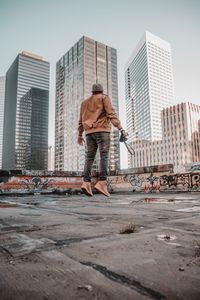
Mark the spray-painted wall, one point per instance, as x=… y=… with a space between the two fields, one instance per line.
x=151 y=179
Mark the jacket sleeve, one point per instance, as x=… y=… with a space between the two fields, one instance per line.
x=80 y=124
x=110 y=111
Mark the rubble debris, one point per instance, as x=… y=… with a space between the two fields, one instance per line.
x=130 y=228
x=85 y=287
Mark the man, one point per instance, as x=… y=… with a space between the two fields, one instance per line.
x=96 y=116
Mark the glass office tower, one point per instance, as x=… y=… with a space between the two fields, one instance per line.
x=2 y=100
x=86 y=63
x=149 y=87
x=25 y=142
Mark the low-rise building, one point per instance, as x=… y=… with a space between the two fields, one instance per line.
x=180 y=144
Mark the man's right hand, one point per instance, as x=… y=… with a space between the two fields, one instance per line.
x=123 y=136
x=124 y=133
x=81 y=140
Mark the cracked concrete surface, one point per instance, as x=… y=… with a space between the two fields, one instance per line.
x=70 y=247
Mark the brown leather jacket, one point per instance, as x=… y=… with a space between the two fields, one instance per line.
x=97 y=114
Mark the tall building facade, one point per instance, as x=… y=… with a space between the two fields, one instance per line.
x=148 y=86
x=86 y=63
x=51 y=158
x=25 y=142
x=2 y=101
x=180 y=143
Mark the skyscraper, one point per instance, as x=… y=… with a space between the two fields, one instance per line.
x=25 y=142
x=86 y=63
x=149 y=87
x=2 y=100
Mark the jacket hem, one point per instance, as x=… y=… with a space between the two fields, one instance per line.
x=97 y=130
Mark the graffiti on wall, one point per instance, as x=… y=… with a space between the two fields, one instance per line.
x=136 y=182
x=148 y=182
x=156 y=182
x=186 y=180
x=33 y=183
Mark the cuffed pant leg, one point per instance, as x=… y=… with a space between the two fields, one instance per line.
x=103 y=141
x=90 y=156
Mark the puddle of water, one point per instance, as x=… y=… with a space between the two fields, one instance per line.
x=156 y=200
x=93 y=218
x=189 y=209
x=174 y=201
x=31 y=215
x=175 y=244
x=166 y=237
x=186 y=201
x=7 y=205
x=32 y=203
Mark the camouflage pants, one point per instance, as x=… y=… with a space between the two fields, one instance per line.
x=94 y=141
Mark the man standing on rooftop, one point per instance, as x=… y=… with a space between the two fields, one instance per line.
x=96 y=117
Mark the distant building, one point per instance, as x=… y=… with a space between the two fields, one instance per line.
x=86 y=63
x=25 y=142
x=149 y=87
x=33 y=124
x=2 y=100
x=51 y=158
x=180 y=144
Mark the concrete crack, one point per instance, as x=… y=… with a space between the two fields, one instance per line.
x=5 y=251
x=78 y=239
x=131 y=283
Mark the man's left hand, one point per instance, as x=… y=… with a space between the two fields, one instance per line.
x=81 y=140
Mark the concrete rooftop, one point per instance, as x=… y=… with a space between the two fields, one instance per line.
x=76 y=247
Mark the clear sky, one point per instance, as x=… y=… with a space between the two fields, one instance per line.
x=50 y=27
